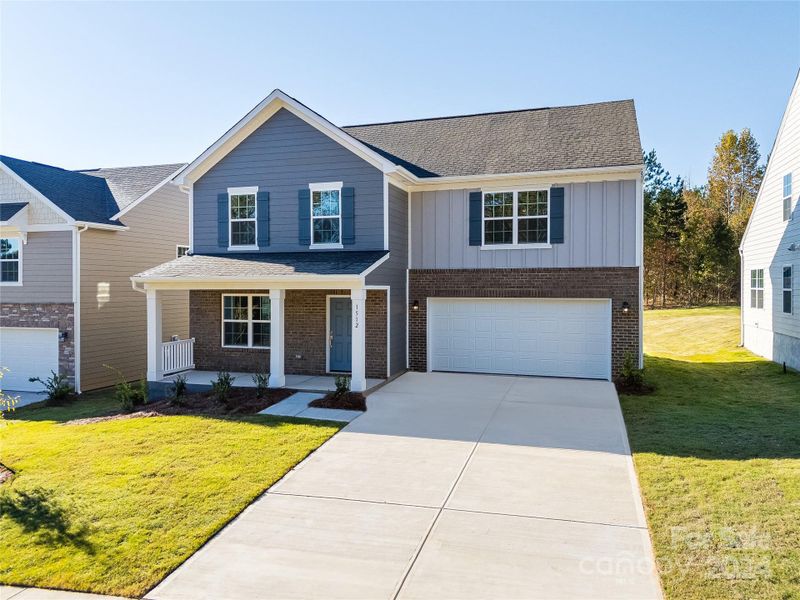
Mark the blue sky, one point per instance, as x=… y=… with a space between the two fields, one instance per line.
x=110 y=84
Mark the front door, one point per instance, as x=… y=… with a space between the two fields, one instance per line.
x=340 y=334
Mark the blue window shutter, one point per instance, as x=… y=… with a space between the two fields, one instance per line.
x=557 y=215
x=262 y=208
x=475 y=220
x=348 y=216
x=304 y=216
x=222 y=220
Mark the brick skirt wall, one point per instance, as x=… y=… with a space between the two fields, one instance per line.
x=305 y=331
x=60 y=316
x=621 y=284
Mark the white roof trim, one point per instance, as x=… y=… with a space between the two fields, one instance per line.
x=146 y=195
x=13 y=174
x=260 y=115
x=793 y=97
x=19 y=218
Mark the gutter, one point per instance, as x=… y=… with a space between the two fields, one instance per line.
x=741 y=297
x=76 y=301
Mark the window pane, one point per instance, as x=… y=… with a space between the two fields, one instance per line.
x=753 y=298
x=243 y=206
x=787 y=277
x=787 y=208
x=235 y=308
x=760 y=298
x=9 y=270
x=261 y=333
x=499 y=232
x=261 y=308
x=532 y=204
x=787 y=185
x=243 y=233
x=325 y=203
x=235 y=334
x=9 y=248
x=326 y=231
x=532 y=231
x=498 y=205
x=787 y=301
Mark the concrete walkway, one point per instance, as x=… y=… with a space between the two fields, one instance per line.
x=450 y=486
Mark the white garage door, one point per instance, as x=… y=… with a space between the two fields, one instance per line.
x=560 y=338
x=27 y=352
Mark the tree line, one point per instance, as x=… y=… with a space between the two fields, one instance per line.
x=692 y=234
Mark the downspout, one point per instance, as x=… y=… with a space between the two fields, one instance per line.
x=741 y=297
x=76 y=302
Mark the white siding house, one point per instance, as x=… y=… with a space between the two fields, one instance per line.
x=771 y=250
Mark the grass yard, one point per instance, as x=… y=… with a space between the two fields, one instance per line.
x=112 y=507
x=717 y=450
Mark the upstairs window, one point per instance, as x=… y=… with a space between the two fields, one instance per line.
x=246 y=321
x=787 y=289
x=326 y=214
x=757 y=288
x=516 y=217
x=181 y=251
x=787 y=197
x=10 y=263
x=242 y=207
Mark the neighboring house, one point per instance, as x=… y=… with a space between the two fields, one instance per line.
x=495 y=243
x=70 y=242
x=770 y=250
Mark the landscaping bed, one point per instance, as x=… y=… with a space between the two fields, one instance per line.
x=342 y=401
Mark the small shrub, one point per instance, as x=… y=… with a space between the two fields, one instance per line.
x=631 y=377
x=7 y=402
x=262 y=384
x=178 y=387
x=127 y=394
x=342 y=383
x=57 y=388
x=221 y=387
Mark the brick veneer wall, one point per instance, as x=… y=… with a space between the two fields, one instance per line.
x=621 y=284
x=305 y=332
x=61 y=316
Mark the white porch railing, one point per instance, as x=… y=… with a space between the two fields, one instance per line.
x=177 y=355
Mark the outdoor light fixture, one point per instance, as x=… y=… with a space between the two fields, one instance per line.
x=62 y=336
x=415 y=306
x=626 y=307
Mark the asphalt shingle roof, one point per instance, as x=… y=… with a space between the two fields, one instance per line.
x=255 y=265
x=91 y=195
x=543 y=139
x=128 y=184
x=9 y=209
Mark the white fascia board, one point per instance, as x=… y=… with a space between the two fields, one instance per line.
x=146 y=195
x=265 y=110
x=108 y=227
x=792 y=98
x=375 y=265
x=316 y=282
x=19 y=219
x=11 y=173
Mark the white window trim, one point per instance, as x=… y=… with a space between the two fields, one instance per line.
x=178 y=250
x=790 y=289
x=757 y=289
x=786 y=197
x=328 y=186
x=250 y=321
x=515 y=220
x=18 y=282
x=237 y=191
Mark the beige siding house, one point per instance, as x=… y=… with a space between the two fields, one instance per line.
x=771 y=250
x=70 y=242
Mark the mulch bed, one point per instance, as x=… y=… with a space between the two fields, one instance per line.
x=241 y=401
x=642 y=389
x=346 y=401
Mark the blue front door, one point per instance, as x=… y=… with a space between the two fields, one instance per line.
x=340 y=335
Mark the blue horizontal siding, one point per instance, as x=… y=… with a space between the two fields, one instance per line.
x=282 y=156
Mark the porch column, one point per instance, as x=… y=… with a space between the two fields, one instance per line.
x=277 y=377
x=358 y=380
x=155 y=364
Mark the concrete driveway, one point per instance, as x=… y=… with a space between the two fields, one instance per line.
x=450 y=486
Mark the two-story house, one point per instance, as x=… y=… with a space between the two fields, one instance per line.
x=69 y=243
x=505 y=242
x=770 y=250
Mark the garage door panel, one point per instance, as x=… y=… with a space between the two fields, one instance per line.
x=567 y=338
x=27 y=352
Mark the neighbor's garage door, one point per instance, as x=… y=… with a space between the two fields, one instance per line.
x=27 y=352
x=562 y=338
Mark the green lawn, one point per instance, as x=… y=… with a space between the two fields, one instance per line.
x=113 y=507
x=717 y=450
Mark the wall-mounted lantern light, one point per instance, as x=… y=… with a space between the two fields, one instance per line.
x=626 y=308
x=62 y=336
x=415 y=305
